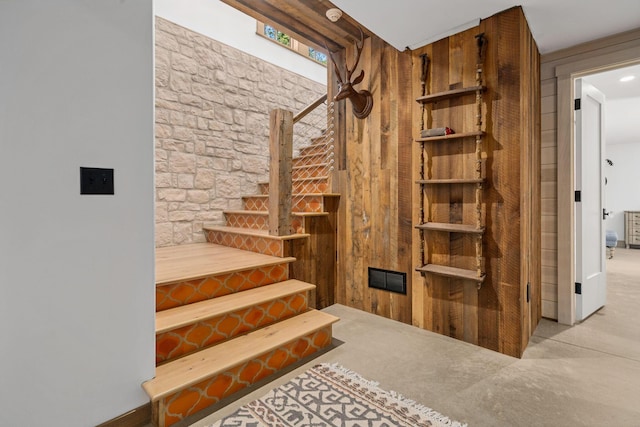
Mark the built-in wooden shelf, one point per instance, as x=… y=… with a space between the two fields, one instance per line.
x=450 y=136
x=451 y=228
x=441 y=96
x=459 y=273
x=451 y=181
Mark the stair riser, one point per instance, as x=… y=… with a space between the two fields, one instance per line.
x=301 y=187
x=300 y=203
x=181 y=341
x=175 y=407
x=259 y=244
x=311 y=172
x=258 y=222
x=316 y=159
x=190 y=291
x=316 y=149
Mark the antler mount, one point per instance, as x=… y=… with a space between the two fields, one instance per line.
x=361 y=101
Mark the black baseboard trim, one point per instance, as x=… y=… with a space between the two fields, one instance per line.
x=134 y=418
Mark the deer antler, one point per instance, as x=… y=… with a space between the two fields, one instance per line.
x=359 y=46
x=362 y=101
x=335 y=66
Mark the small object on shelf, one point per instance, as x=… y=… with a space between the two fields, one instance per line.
x=426 y=133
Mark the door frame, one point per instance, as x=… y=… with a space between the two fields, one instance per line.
x=565 y=79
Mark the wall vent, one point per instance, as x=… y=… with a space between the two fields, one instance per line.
x=387 y=280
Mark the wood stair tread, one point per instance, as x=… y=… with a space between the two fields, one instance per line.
x=459 y=273
x=191 y=313
x=453 y=228
x=194 y=368
x=197 y=260
x=266 y=213
x=306 y=156
x=315 y=178
x=296 y=195
x=254 y=232
x=317 y=165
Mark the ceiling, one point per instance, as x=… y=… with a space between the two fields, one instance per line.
x=622 y=104
x=609 y=82
x=555 y=24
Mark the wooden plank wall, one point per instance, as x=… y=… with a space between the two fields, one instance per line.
x=373 y=178
x=376 y=162
x=610 y=50
x=497 y=316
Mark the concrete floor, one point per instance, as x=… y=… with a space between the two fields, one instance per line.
x=586 y=375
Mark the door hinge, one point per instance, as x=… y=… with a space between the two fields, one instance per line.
x=576 y=104
x=578 y=288
x=528 y=292
x=577 y=196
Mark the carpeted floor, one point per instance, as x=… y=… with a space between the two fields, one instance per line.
x=586 y=375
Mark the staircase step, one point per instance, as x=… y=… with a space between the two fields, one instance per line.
x=187 y=385
x=312 y=171
x=188 y=328
x=318 y=148
x=255 y=220
x=312 y=159
x=318 y=184
x=299 y=202
x=250 y=240
x=190 y=273
x=259 y=220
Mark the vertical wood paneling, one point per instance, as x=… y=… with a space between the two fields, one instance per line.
x=377 y=161
x=489 y=296
x=497 y=316
x=375 y=207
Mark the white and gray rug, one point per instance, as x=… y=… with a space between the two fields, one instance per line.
x=330 y=395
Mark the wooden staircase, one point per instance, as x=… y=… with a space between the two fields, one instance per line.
x=229 y=312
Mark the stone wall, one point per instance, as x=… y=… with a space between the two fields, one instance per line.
x=212 y=128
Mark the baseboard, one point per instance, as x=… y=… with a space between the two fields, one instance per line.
x=134 y=418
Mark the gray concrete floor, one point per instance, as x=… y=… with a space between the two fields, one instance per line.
x=585 y=375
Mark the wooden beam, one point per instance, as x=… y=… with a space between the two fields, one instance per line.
x=280 y=183
x=269 y=14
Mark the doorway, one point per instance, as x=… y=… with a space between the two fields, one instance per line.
x=605 y=55
x=617 y=175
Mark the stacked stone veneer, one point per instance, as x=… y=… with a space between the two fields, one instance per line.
x=212 y=128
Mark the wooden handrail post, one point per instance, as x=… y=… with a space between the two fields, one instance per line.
x=280 y=183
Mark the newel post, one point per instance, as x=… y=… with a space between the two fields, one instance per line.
x=280 y=184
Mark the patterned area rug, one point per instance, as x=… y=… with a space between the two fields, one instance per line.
x=330 y=395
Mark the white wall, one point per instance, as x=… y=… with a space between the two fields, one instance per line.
x=76 y=272
x=623 y=178
x=622 y=136
x=221 y=22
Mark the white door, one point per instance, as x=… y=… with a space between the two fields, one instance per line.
x=591 y=278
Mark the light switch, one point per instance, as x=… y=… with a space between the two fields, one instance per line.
x=96 y=181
